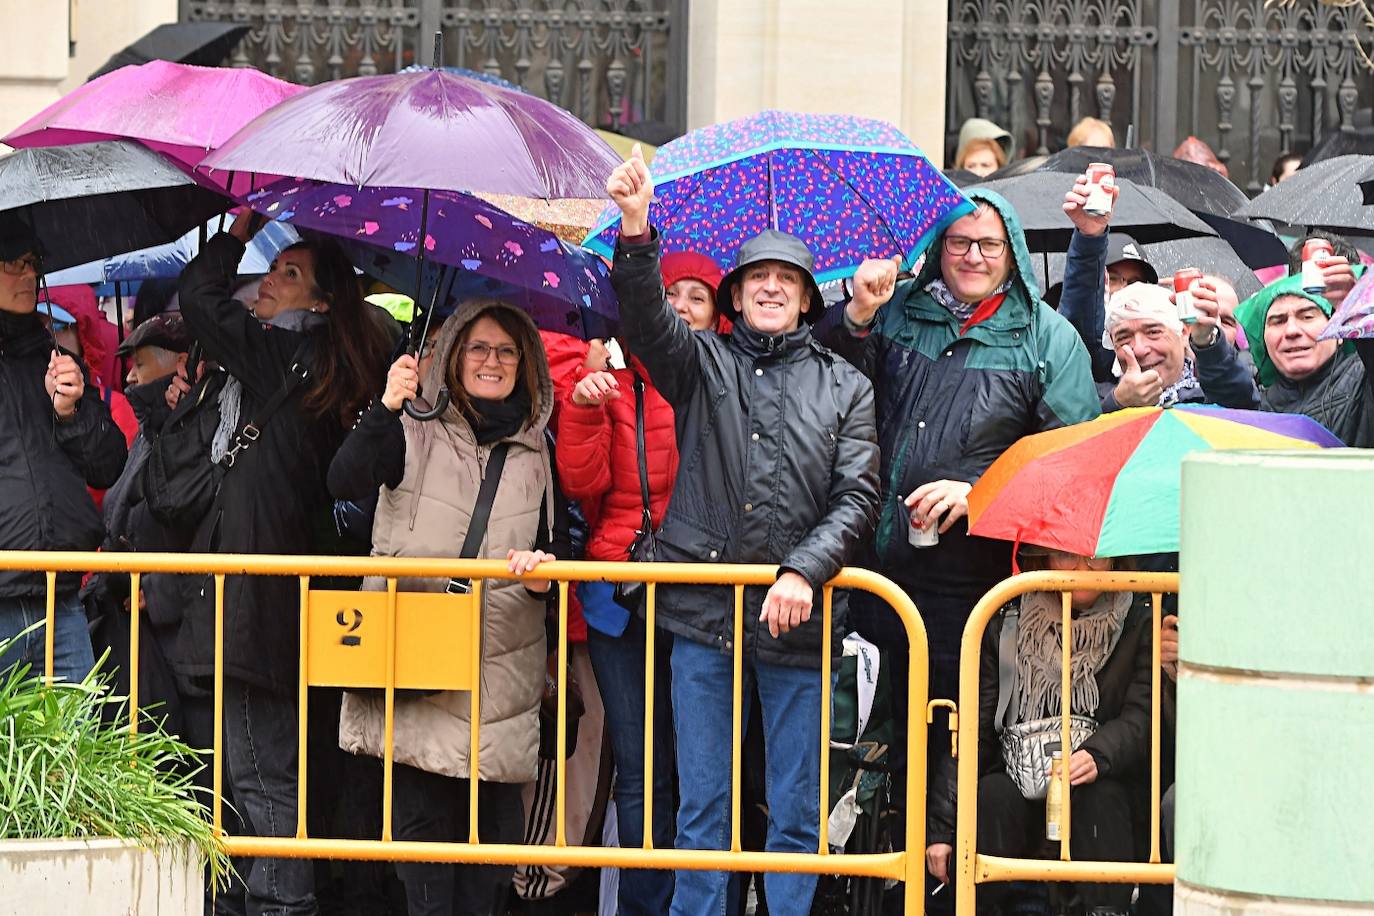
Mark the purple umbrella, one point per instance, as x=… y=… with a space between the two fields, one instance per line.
x=428 y=129
x=564 y=289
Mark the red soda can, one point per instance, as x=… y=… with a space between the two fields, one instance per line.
x=1183 y=299
x=1314 y=251
x=1101 y=178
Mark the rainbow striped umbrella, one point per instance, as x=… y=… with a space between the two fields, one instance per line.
x=1110 y=487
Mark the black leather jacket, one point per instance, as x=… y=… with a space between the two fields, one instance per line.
x=46 y=464
x=779 y=461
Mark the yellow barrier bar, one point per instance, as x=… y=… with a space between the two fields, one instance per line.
x=389 y=712
x=560 y=757
x=970 y=868
x=475 y=710
x=218 y=801
x=1065 y=710
x=827 y=697
x=135 y=619
x=650 y=646
x=303 y=709
x=1156 y=600
x=997 y=868
x=737 y=714
x=49 y=628
x=879 y=865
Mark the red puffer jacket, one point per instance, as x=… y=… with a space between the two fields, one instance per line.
x=599 y=467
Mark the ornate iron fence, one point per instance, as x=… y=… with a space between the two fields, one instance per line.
x=615 y=63
x=1251 y=80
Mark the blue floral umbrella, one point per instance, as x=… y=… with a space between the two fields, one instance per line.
x=850 y=188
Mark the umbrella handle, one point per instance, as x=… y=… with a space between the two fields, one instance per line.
x=440 y=405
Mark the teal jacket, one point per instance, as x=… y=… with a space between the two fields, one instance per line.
x=950 y=404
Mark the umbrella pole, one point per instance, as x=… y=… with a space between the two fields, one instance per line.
x=416 y=343
x=119 y=331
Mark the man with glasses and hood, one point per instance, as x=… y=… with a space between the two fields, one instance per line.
x=779 y=465
x=59 y=439
x=965 y=360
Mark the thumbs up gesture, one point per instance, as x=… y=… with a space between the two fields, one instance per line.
x=1138 y=387
x=632 y=187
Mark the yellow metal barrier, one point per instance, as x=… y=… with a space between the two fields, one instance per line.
x=371 y=639
x=973 y=868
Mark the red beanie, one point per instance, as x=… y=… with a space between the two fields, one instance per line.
x=689 y=265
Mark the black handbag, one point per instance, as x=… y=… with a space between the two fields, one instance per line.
x=644 y=548
x=180 y=481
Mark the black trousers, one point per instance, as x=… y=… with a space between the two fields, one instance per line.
x=427 y=806
x=1010 y=825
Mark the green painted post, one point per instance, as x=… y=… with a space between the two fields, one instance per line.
x=1275 y=786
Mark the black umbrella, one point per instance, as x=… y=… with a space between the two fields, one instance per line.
x=205 y=44
x=93 y=200
x=1210 y=255
x=1328 y=195
x=1208 y=193
x=1145 y=213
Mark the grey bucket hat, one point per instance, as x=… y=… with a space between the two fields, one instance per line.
x=771 y=245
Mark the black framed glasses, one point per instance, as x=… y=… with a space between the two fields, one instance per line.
x=478 y=352
x=958 y=245
x=18 y=265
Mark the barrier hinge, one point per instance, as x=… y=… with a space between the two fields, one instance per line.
x=953 y=722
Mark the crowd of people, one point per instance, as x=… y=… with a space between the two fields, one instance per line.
x=736 y=419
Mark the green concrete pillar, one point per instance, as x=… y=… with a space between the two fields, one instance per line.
x=1275 y=784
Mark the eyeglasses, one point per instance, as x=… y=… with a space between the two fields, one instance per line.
x=992 y=249
x=478 y=353
x=19 y=265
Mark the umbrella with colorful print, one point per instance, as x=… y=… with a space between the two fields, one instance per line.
x=1110 y=487
x=850 y=188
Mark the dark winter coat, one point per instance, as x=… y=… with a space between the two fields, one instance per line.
x=273 y=500
x=949 y=403
x=778 y=460
x=46 y=463
x=1121 y=744
x=1339 y=395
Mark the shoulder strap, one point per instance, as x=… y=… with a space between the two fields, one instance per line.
x=486 y=495
x=1006 y=664
x=641 y=452
x=251 y=431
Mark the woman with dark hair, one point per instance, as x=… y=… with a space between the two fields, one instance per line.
x=301 y=364
x=433 y=479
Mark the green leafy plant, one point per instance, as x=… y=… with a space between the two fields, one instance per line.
x=66 y=774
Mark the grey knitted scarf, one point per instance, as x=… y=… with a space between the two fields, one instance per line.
x=942 y=294
x=1039 y=643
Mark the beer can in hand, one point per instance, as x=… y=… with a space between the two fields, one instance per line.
x=1314 y=253
x=922 y=537
x=1101 y=179
x=1183 y=296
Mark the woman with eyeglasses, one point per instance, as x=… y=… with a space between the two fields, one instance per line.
x=1020 y=698
x=431 y=477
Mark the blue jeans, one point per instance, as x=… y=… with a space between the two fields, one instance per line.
x=260 y=729
x=618 y=662
x=72 y=655
x=790 y=703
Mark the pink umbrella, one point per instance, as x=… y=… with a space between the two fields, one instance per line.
x=178 y=110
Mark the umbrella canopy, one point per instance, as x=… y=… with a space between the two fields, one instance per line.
x=202 y=43
x=429 y=130
x=558 y=283
x=93 y=200
x=1354 y=319
x=850 y=188
x=1210 y=255
x=1111 y=487
x=1147 y=214
x=179 y=110
x=1201 y=189
x=1327 y=194
x=166 y=262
